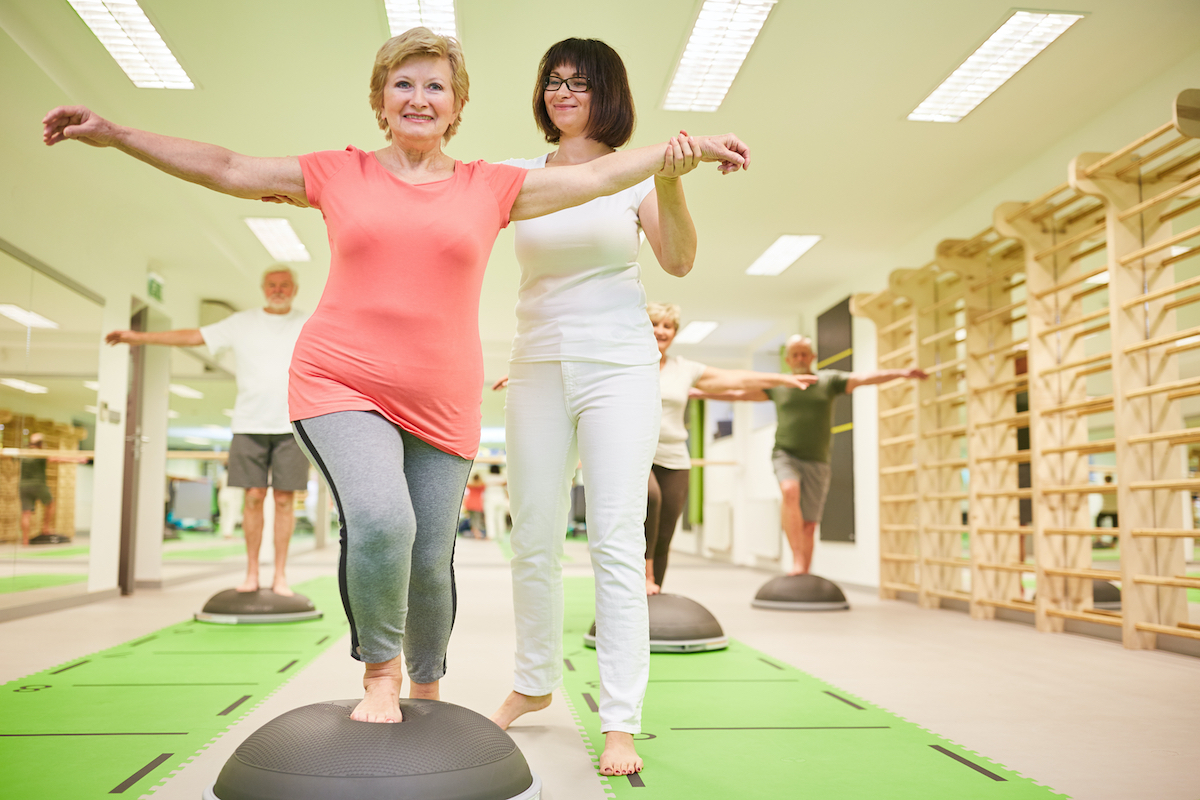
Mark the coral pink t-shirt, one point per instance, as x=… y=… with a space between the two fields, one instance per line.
x=397 y=328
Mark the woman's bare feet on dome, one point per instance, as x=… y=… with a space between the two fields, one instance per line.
x=280 y=587
x=382 y=700
x=424 y=691
x=517 y=704
x=250 y=584
x=619 y=756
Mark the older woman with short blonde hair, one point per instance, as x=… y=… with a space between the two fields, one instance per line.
x=394 y=429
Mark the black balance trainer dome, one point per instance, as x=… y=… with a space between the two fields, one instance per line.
x=1106 y=595
x=439 y=752
x=678 y=625
x=800 y=593
x=237 y=608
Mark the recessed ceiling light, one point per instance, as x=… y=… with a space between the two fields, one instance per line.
x=695 y=331
x=782 y=254
x=26 y=318
x=721 y=39
x=437 y=15
x=24 y=386
x=277 y=236
x=179 y=390
x=1011 y=47
x=131 y=39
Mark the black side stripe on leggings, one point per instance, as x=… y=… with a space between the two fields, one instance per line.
x=453 y=582
x=320 y=464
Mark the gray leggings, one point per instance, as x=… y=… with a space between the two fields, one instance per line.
x=398 y=498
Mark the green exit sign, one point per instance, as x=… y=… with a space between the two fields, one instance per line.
x=154 y=286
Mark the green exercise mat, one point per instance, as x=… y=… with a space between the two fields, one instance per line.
x=23 y=583
x=738 y=723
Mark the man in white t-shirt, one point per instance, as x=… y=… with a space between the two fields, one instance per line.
x=264 y=452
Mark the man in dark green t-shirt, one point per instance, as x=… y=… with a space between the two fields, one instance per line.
x=33 y=489
x=802 y=438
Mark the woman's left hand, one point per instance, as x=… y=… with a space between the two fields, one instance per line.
x=728 y=149
x=681 y=157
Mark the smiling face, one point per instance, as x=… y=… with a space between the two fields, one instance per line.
x=569 y=111
x=279 y=289
x=418 y=101
x=664 y=334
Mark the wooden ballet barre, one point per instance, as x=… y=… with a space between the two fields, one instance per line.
x=1020 y=455
x=996 y=312
x=1082 y=236
x=900 y=470
x=33 y=452
x=899 y=498
x=1010 y=493
x=1079 y=531
x=1141 y=253
x=953 y=430
x=1052 y=210
x=1062 y=326
x=1009 y=385
x=1190 y=283
x=895 y=355
x=1086 y=211
x=874 y=297
x=952 y=463
x=1015 y=419
x=946 y=334
x=1020 y=345
x=894 y=586
x=1153 y=627
x=1083 y=362
x=1093 y=405
x=907 y=438
x=1088 y=292
x=1176 y=437
x=1164 y=387
x=198 y=455
x=898 y=528
x=705 y=462
x=1167 y=339
x=951 y=300
x=1180 y=211
x=1012 y=605
x=1176 y=165
x=946 y=496
x=1007 y=567
x=946 y=366
x=1129 y=148
x=1039 y=200
x=892 y=327
x=1096 y=248
x=1086 y=616
x=947 y=562
x=1184 y=484
x=1085 y=332
x=952 y=594
x=1162 y=197
x=1098 y=446
x=896 y=383
x=1084 y=574
x=946 y=528
x=1020 y=530
x=999 y=276
x=1179 y=581
x=906 y=557
x=1153 y=154
x=1082 y=488
x=952 y=398
x=1180 y=302
x=1182 y=346
x=1166 y=533
x=898 y=411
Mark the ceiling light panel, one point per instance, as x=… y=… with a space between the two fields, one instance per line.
x=24 y=386
x=131 y=39
x=782 y=254
x=179 y=390
x=720 y=40
x=277 y=236
x=1011 y=47
x=437 y=15
x=26 y=318
x=695 y=331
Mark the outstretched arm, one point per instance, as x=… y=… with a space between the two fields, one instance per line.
x=666 y=220
x=548 y=190
x=736 y=396
x=208 y=165
x=189 y=337
x=857 y=379
x=715 y=381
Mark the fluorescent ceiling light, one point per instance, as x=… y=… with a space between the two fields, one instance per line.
x=277 y=236
x=173 y=414
x=196 y=440
x=130 y=38
x=179 y=390
x=437 y=15
x=26 y=318
x=91 y=409
x=227 y=412
x=93 y=385
x=1011 y=47
x=782 y=254
x=720 y=40
x=24 y=386
x=695 y=331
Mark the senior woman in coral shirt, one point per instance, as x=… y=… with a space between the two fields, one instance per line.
x=386 y=379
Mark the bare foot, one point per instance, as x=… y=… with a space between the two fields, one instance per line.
x=517 y=704
x=382 y=700
x=280 y=588
x=425 y=691
x=652 y=587
x=619 y=756
x=249 y=585
x=798 y=571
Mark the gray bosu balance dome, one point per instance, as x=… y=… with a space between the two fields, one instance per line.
x=439 y=752
x=1106 y=596
x=232 y=607
x=678 y=625
x=800 y=593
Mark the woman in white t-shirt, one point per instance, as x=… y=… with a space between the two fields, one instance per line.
x=583 y=386
x=668 y=486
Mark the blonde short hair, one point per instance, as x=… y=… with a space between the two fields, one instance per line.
x=419 y=43
x=669 y=312
x=271 y=270
x=799 y=338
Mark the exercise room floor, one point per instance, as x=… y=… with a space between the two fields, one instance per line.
x=1081 y=716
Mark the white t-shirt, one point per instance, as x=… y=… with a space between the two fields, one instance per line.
x=262 y=346
x=581 y=296
x=674 y=379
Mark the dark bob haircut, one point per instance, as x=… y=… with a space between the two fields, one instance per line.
x=612 y=116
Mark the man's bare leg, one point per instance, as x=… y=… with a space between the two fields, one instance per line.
x=651 y=586
x=48 y=517
x=517 y=704
x=285 y=520
x=802 y=557
x=620 y=756
x=382 y=700
x=794 y=527
x=26 y=526
x=252 y=528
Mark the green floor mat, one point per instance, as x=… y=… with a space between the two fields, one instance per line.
x=62 y=552
x=121 y=720
x=23 y=583
x=214 y=553
x=738 y=723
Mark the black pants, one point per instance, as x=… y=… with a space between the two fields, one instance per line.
x=667 y=493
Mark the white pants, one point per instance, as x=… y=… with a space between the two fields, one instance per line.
x=495 y=509
x=558 y=413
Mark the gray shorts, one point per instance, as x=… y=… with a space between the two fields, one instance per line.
x=32 y=494
x=252 y=456
x=813 y=477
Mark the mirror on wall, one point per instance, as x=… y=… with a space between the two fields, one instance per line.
x=49 y=355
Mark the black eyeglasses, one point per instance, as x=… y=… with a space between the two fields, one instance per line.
x=575 y=84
